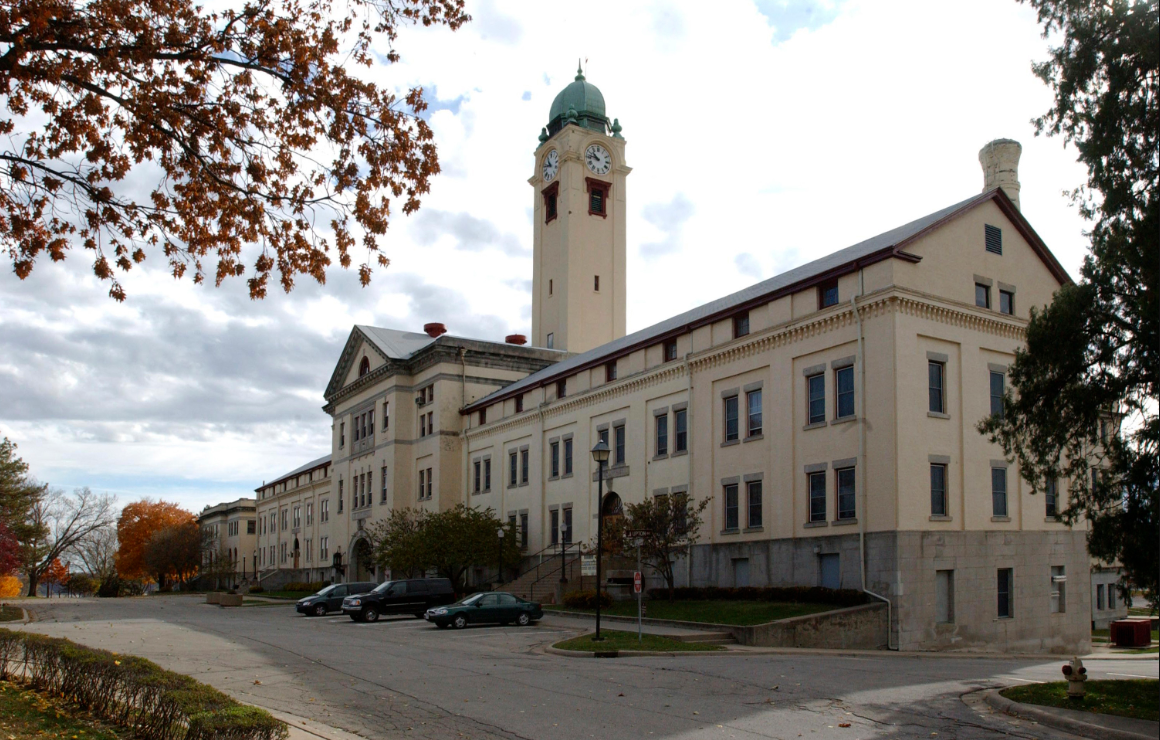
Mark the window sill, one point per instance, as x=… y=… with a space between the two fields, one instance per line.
x=844 y=420
x=730 y=442
x=566 y=475
x=525 y=483
x=844 y=522
x=817 y=524
x=679 y=453
x=730 y=531
x=940 y=518
x=1052 y=520
x=663 y=456
x=937 y=415
x=754 y=437
x=754 y=529
x=553 y=477
x=1000 y=518
x=815 y=425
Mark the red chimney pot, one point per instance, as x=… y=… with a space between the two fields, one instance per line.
x=516 y=339
x=434 y=329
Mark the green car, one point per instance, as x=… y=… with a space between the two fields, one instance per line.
x=494 y=608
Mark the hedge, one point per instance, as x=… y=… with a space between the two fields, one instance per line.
x=311 y=586
x=800 y=594
x=586 y=599
x=132 y=692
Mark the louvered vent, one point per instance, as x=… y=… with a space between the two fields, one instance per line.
x=993 y=236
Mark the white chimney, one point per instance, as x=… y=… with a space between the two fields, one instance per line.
x=1000 y=161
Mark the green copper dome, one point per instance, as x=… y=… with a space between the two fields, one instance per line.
x=585 y=100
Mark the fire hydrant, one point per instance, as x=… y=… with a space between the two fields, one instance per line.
x=1076 y=674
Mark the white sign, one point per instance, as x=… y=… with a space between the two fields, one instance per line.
x=587 y=565
x=636 y=582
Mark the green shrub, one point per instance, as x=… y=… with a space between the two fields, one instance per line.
x=586 y=599
x=257 y=590
x=310 y=586
x=800 y=594
x=132 y=692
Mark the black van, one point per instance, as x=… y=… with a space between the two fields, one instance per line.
x=330 y=598
x=412 y=596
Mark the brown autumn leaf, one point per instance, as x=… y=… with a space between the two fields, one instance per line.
x=254 y=123
x=138 y=522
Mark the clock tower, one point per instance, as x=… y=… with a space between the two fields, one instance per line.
x=578 y=272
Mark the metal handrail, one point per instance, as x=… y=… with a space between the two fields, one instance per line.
x=575 y=559
x=534 y=567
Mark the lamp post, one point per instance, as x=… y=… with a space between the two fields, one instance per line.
x=499 y=534
x=600 y=455
x=563 y=551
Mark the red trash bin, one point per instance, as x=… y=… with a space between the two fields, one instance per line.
x=1131 y=633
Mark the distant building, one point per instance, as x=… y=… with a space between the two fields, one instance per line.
x=229 y=535
x=829 y=413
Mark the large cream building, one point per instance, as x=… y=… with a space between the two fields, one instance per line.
x=829 y=413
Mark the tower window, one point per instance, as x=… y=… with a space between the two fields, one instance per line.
x=993 y=239
x=549 y=286
x=550 y=196
x=596 y=283
x=598 y=197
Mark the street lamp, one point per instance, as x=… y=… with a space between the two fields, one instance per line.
x=600 y=455
x=499 y=533
x=563 y=551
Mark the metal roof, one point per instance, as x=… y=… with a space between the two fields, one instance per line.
x=308 y=466
x=831 y=263
x=396 y=344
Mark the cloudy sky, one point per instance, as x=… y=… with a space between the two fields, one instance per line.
x=762 y=134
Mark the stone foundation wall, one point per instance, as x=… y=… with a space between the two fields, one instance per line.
x=856 y=628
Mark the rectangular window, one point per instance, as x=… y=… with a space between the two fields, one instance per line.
x=1111 y=596
x=1006 y=588
x=520 y=404
x=341 y=434
x=844 y=388
x=422 y=483
x=998 y=491
x=982 y=295
x=549 y=206
x=513 y=477
x=477 y=478
x=670 y=350
x=610 y=372
x=846 y=498
x=430 y=422
x=1006 y=302
x=340 y=496
x=554 y=517
x=1099 y=596
x=486 y=474
x=297 y=516
x=662 y=434
x=944 y=594
x=523 y=466
x=568 y=456
x=754 y=508
x=619 y=437
x=596 y=202
x=731 y=514
x=323 y=548
x=997 y=388
x=555 y=454
x=936 y=386
x=383 y=486
x=551 y=340
x=324 y=510
x=731 y=432
x=1051 y=498
x=386 y=415
x=524 y=531
x=596 y=283
x=816 y=385
x=828 y=294
x=753 y=404
x=567 y=526
x=681 y=427
x=938 y=490
x=422 y=425
x=740 y=325
x=371 y=423
x=993 y=239
x=430 y=483
x=561 y=388
x=251 y=527
x=483 y=416
x=818 y=497
x=550 y=287
x=1058 y=590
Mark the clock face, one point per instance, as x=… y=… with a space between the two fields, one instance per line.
x=598 y=159
x=551 y=165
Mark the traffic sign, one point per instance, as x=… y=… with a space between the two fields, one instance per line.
x=634 y=533
x=636 y=582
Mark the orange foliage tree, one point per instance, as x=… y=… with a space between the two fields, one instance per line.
x=54 y=574
x=251 y=126
x=138 y=523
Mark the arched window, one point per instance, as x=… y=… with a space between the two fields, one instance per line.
x=364 y=367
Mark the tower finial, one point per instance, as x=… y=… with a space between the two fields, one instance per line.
x=579 y=71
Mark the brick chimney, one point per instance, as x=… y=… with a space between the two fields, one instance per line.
x=1000 y=161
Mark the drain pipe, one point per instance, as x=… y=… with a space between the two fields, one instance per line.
x=862 y=461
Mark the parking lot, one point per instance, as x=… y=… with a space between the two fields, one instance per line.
x=402 y=677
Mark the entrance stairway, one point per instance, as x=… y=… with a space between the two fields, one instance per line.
x=539 y=582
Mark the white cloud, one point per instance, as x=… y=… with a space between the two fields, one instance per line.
x=790 y=130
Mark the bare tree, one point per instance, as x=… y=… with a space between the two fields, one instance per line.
x=66 y=519
x=98 y=552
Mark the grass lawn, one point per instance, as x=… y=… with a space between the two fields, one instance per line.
x=26 y=714
x=295 y=595
x=714 y=612
x=1137 y=698
x=11 y=613
x=617 y=640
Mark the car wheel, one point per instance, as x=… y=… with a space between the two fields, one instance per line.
x=320 y=610
x=370 y=614
x=460 y=622
x=523 y=619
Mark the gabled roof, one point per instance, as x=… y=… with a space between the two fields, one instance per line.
x=391 y=344
x=297 y=471
x=889 y=244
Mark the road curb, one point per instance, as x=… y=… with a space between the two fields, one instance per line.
x=635 y=653
x=1059 y=722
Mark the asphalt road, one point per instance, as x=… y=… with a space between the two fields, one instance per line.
x=404 y=678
